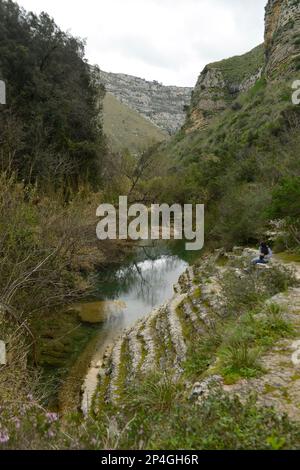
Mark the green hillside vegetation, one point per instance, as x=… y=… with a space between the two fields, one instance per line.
x=126 y=129
x=237 y=162
x=238 y=68
x=56 y=168
x=50 y=128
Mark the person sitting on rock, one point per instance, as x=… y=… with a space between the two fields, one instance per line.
x=265 y=254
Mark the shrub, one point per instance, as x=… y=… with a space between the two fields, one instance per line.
x=219 y=422
x=285 y=205
x=239 y=359
x=245 y=289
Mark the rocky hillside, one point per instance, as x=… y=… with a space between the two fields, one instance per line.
x=126 y=129
x=163 y=105
x=241 y=137
x=221 y=83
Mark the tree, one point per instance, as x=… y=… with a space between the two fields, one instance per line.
x=52 y=94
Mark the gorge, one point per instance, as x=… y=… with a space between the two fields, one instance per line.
x=158 y=346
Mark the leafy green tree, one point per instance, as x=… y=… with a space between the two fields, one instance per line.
x=53 y=95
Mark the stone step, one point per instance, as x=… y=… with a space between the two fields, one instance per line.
x=176 y=328
x=135 y=347
x=165 y=348
x=114 y=370
x=147 y=334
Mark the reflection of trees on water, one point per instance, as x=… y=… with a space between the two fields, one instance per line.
x=148 y=279
x=145 y=277
x=144 y=280
x=115 y=322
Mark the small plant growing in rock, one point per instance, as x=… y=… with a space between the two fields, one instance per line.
x=239 y=359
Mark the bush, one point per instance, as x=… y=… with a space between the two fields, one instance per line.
x=218 y=423
x=285 y=206
x=40 y=240
x=246 y=289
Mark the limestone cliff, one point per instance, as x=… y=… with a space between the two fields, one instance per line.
x=220 y=83
x=282 y=37
x=163 y=105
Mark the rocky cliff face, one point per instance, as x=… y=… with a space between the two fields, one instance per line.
x=163 y=105
x=220 y=84
x=282 y=37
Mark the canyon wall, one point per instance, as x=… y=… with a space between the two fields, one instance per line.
x=163 y=105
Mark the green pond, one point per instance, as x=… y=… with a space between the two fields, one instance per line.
x=143 y=282
x=123 y=294
x=130 y=292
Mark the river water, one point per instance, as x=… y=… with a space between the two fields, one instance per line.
x=128 y=293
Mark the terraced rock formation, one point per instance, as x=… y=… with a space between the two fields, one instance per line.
x=160 y=341
x=163 y=341
x=282 y=37
x=220 y=83
x=279 y=386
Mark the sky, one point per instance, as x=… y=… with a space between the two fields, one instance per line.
x=170 y=41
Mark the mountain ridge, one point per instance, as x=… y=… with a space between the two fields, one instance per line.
x=163 y=105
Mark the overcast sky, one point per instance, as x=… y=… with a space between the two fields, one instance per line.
x=165 y=40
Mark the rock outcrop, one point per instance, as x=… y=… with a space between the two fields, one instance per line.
x=160 y=341
x=220 y=84
x=163 y=105
x=282 y=36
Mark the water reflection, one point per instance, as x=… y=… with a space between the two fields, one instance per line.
x=143 y=283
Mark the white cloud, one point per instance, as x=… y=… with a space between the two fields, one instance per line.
x=166 y=40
